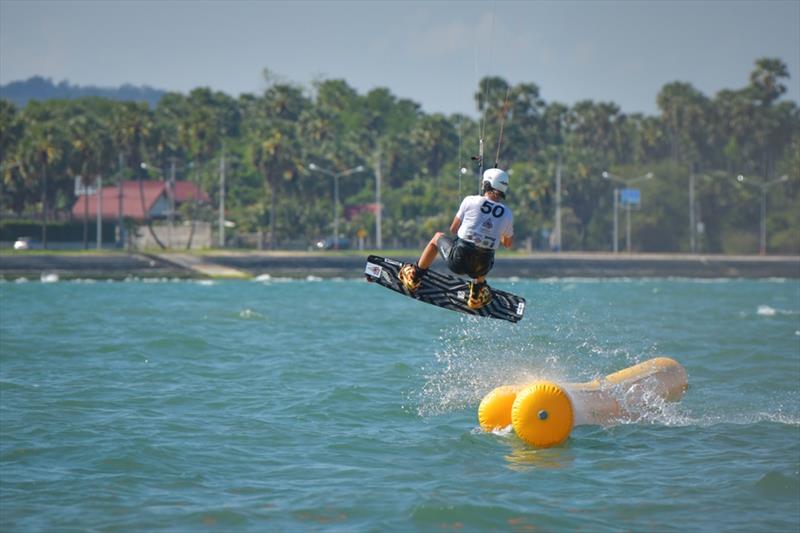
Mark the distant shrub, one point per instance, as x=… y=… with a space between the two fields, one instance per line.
x=56 y=231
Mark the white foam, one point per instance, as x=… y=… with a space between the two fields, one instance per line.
x=249 y=314
x=765 y=310
x=741 y=419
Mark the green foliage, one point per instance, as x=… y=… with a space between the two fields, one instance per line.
x=270 y=140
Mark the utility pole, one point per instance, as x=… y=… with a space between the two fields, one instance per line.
x=616 y=220
x=378 y=206
x=121 y=162
x=762 y=247
x=99 y=212
x=627 y=182
x=171 y=194
x=762 y=240
x=558 y=203
x=628 y=227
x=222 y=200
x=44 y=206
x=335 y=176
x=692 y=223
x=336 y=211
x=79 y=190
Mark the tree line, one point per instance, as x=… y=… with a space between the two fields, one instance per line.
x=40 y=88
x=694 y=148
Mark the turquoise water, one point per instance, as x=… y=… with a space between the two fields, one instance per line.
x=340 y=406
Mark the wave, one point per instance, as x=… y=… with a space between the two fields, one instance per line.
x=766 y=310
x=741 y=419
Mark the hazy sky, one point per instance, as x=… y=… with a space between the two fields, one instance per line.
x=431 y=52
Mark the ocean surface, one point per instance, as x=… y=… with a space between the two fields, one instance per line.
x=337 y=405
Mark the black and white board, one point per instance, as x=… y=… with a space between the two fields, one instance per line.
x=444 y=290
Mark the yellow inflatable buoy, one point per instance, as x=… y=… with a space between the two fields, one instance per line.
x=494 y=411
x=542 y=414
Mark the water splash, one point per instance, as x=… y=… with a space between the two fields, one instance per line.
x=477 y=356
x=49 y=277
x=565 y=344
x=642 y=403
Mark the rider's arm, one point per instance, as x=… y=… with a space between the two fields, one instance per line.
x=507 y=240
x=455 y=225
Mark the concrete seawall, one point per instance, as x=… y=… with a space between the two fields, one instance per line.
x=117 y=265
x=110 y=265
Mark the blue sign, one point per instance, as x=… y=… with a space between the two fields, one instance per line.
x=632 y=197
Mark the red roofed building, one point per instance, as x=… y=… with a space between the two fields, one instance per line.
x=355 y=210
x=186 y=191
x=151 y=199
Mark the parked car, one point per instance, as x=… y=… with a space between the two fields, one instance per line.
x=330 y=244
x=22 y=243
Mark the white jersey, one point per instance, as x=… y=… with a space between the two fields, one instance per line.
x=484 y=222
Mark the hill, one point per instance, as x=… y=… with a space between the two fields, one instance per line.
x=40 y=88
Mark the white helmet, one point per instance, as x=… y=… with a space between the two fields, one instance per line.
x=497 y=178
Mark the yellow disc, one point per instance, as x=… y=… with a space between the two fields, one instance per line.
x=542 y=414
x=495 y=409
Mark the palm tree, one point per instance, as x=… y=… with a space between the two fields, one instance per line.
x=266 y=155
x=434 y=142
x=685 y=112
x=41 y=146
x=765 y=80
x=132 y=125
x=90 y=154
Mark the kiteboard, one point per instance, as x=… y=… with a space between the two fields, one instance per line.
x=444 y=290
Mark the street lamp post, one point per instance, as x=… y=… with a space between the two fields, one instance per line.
x=558 y=205
x=627 y=182
x=762 y=249
x=222 y=200
x=696 y=225
x=378 y=206
x=692 y=222
x=336 y=176
x=120 y=204
x=86 y=190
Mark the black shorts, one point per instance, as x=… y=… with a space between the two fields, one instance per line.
x=464 y=258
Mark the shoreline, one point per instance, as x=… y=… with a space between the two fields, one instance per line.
x=250 y=264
